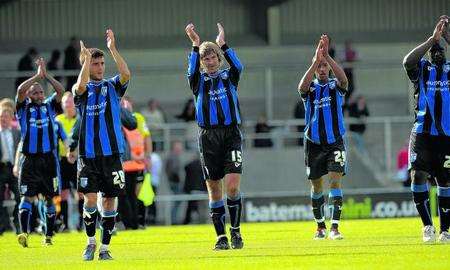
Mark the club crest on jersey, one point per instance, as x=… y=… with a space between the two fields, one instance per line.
x=23 y=189
x=104 y=90
x=43 y=109
x=332 y=84
x=446 y=68
x=206 y=78
x=83 y=182
x=430 y=68
x=32 y=110
x=224 y=76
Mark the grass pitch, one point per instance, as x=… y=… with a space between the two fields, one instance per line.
x=368 y=244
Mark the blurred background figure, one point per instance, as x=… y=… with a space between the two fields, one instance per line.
x=349 y=57
x=357 y=110
x=194 y=183
x=71 y=61
x=155 y=119
x=188 y=116
x=26 y=63
x=173 y=171
x=299 y=114
x=53 y=64
x=156 y=173
x=262 y=127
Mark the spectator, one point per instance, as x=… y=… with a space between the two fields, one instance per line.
x=194 y=184
x=156 y=169
x=53 y=64
x=155 y=119
x=71 y=61
x=26 y=63
x=9 y=141
x=7 y=102
x=173 y=170
x=402 y=166
x=262 y=127
x=299 y=113
x=350 y=56
x=188 y=115
x=358 y=111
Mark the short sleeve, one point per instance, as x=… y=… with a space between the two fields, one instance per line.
x=118 y=86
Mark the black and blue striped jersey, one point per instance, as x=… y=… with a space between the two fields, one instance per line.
x=99 y=108
x=37 y=125
x=216 y=95
x=323 y=112
x=432 y=98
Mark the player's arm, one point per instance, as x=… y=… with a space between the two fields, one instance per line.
x=337 y=70
x=79 y=87
x=446 y=30
x=231 y=57
x=127 y=119
x=122 y=66
x=23 y=87
x=73 y=145
x=59 y=89
x=16 y=168
x=305 y=82
x=412 y=59
x=194 y=58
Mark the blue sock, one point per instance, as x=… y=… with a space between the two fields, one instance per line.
x=444 y=207
x=335 y=202
x=24 y=215
x=235 y=209
x=318 y=205
x=422 y=201
x=217 y=213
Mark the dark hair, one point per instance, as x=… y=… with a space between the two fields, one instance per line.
x=96 y=53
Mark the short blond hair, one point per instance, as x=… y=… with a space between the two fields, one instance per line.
x=7 y=103
x=207 y=48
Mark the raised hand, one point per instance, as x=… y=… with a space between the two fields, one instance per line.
x=110 y=40
x=84 y=53
x=319 y=52
x=193 y=36
x=220 y=40
x=41 y=71
x=325 y=44
x=440 y=26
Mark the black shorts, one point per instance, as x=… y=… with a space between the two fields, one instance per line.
x=38 y=175
x=430 y=154
x=68 y=174
x=104 y=174
x=220 y=151
x=320 y=159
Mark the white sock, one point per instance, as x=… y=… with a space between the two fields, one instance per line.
x=91 y=240
x=103 y=247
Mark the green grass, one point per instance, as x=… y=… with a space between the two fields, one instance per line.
x=368 y=244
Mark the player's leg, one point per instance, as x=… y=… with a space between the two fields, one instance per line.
x=316 y=167
x=50 y=217
x=108 y=222
x=420 y=162
x=335 y=203
x=443 y=182
x=233 y=169
x=90 y=214
x=336 y=166
x=80 y=200
x=65 y=193
x=113 y=183
x=318 y=207
x=234 y=203
x=25 y=211
x=217 y=212
x=211 y=159
x=29 y=177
